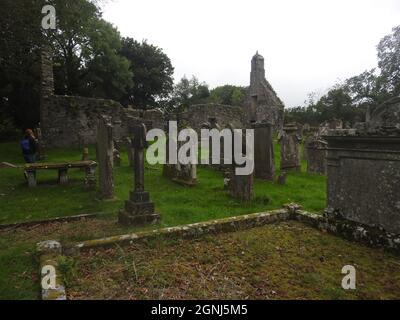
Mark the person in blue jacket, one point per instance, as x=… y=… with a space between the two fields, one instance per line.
x=29 y=146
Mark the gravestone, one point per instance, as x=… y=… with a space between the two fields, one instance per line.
x=105 y=154
x=169 y=170
x=139 y=210
x=364 y=170
x=316 y=150
x=290 y=148
x=214 y=157
x=282 y=179
x=240 y=186
x=264 y=151
x=185 y=174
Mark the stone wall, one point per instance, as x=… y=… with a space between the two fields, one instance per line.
x=197 y=115
x=72 y=121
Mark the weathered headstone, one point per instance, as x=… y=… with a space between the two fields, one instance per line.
x=169 y=170
x=105 y=154
x=290 y=148
x=264 y=151
x=139 y=209
x=240 y=186
x=282 y=179
x=215 y=157
x=316 y=150
x=185 y=174
x=90 y=178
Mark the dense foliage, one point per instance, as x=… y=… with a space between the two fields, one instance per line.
x=90 y=59
x=349 y=100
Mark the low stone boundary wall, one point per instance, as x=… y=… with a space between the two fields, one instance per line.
x=50 y=251
x=50 y=221
x=353 y=231
x=191 y=230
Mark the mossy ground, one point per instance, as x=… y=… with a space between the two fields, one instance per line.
x=285 y=260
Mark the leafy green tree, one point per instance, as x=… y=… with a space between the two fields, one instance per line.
x=152 y=74
x=189 y=92
x=389 y=61
x=228 y=95
x=87 y=60
x=20 y=38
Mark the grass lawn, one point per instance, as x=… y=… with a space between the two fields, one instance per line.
x=280 y=261
x=176 y=204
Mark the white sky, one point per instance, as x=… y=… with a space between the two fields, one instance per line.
x=308 y=45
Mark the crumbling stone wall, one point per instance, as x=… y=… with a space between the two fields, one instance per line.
x=72 y=121
x=199 y=114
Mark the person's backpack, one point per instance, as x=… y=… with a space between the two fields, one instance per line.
x=26 y=146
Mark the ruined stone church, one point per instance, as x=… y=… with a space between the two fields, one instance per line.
x=264 y=104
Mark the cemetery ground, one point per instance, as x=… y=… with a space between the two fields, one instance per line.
x=316 y=269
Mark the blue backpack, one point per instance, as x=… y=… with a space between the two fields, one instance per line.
x=26 y=146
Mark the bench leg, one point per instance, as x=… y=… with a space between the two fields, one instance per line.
x=31 y=177
x=63 y=176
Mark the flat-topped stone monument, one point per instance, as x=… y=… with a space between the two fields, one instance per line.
x=364 y=178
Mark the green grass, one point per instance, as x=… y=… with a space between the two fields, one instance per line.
x=176 y=204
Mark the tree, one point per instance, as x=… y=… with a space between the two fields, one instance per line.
x=228 y=95
x=20 y=39
x=86 y=60
x=86 y=52
x=389 y=61
x=189 y=92
x=152 y=74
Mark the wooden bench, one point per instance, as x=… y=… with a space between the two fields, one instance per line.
x=62 y=168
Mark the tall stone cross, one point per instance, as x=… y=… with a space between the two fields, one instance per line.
x=139 y=210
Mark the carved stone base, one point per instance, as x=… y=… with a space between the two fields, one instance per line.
x=139 y=210
x=126 y=218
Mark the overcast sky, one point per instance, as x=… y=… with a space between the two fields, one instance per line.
x=308 y=45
